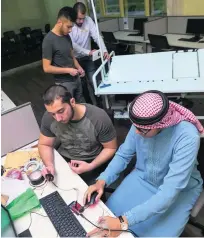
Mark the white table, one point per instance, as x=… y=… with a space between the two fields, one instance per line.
x=6 y=102
x=173 y=40
x=170 y=72
x=65 y=179
x=124 y=36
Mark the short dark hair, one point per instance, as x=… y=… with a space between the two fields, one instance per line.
x=67 y=12
x=80 y=7
x=56 y=92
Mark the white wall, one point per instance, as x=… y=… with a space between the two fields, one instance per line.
x=16 y=14
x=109 y=25
x=19 y=13
x=53 y=6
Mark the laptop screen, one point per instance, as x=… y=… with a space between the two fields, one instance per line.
x=7 y=227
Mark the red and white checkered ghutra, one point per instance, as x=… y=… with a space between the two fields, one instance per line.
x=149 y=104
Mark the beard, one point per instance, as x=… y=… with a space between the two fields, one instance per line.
x=71 y=116
x=72 y=113
x=79 y=24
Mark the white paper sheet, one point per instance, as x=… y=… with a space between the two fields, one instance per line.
x=13 y=187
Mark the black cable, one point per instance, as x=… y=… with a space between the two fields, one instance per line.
x=76 y=189
x=89 y=220
x=39 y=215
x=31 y=217
x=101 y=228
x=66 y=190
x=105 y=229
x=30 y=221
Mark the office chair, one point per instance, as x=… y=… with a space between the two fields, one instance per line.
x=159 y=43
x=113 y=45
x=194 y=213
x=28 y=44
x=200 y=202
x=11 y=36
x=47 y=28
x=36 y=37
x=8 y=48
x=25 y=30
x=109 y=37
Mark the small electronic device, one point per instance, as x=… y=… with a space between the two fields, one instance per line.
x=96 y=55
x=49 y=177
x=2 y=170
x=76 y=207
x=92 y=199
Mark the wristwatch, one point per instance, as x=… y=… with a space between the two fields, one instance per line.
x=123 y=224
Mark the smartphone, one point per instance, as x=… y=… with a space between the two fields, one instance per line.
x=75 y=207
x=96 y=55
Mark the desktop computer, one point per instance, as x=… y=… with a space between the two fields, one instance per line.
x=139 y=25
x=196 y=27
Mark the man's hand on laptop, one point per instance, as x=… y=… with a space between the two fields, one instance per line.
x=80 y=167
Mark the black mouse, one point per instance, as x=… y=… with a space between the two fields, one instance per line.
x=49 y=177
x=92 y=199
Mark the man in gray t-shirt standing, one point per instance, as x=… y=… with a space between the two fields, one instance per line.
x=58 y=57
x=86 y=134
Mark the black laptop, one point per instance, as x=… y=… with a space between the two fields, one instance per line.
x=7 y=225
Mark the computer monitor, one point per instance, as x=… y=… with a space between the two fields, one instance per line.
x=139 y=25
x=19 y=128
x=196 y=27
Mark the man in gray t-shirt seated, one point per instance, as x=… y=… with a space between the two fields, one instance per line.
x=86 y=134
x=57 y=53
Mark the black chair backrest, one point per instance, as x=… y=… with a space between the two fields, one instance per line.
x=109 y=37
x=7 y=47
x=47 y=28
x=37 y=36
x=25 y=30
x=9 y=34
x=37 y=33
x=158 y=42
x=200 y=158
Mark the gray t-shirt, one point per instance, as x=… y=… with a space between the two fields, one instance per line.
x=58 y=50
x=81 y=140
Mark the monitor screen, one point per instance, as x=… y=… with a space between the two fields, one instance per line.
x=7 y=227
x=195 y=26
x=24 y=131
x=139 y=24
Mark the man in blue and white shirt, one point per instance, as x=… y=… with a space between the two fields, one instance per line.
x=81 y=35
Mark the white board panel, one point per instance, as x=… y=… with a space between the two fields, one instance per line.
x=185 y=65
